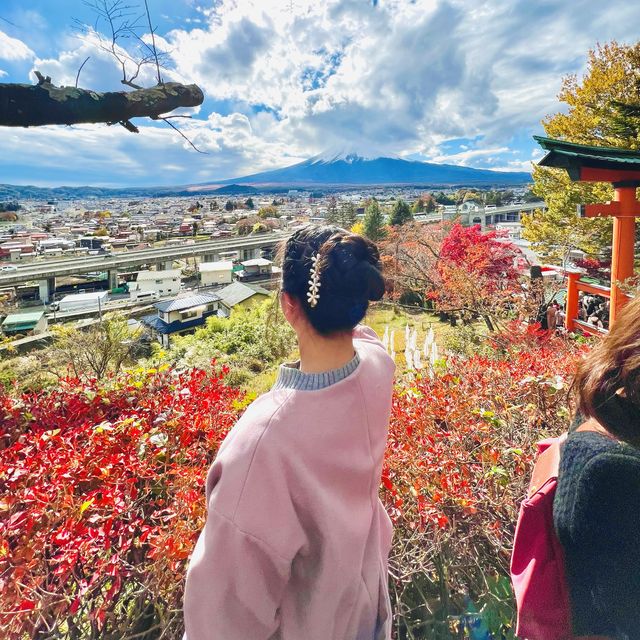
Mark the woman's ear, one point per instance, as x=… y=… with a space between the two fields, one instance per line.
x=290 y=308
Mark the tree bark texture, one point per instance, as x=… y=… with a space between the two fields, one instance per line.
x=24 y=105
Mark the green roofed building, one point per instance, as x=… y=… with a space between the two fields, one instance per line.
x=28 y=322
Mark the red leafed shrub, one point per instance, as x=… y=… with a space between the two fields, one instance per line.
x=600 y=269
x=459 y=457
x=101 y=492
x=101 y=501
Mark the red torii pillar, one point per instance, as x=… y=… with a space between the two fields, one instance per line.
x=624 y=209
x=621 y=168
x=623 y=246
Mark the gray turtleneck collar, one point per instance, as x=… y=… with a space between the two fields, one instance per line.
x=290 y=376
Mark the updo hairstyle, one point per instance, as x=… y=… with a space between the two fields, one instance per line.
x=350 y=275
x=608 y=378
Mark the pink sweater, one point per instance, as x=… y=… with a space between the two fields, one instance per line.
x=296 y=540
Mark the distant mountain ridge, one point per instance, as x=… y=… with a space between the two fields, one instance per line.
x=345 y=169
x=352 y=169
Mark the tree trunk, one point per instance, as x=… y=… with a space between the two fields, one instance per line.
x=487 y=321
x=24 y=105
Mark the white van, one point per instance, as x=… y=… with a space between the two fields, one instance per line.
x=144 y=296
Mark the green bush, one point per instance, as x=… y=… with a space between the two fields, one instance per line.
x=250 y=340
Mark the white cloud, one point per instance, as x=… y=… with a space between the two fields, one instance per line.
x=467 y=157
x=295 y=77
x=401 y=75
x=111 y=156
x=338 y=70
x=14 y=49
x=3 y=73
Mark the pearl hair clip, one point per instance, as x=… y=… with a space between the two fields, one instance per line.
x=314 y=284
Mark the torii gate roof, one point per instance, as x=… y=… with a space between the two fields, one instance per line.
x=590 y=164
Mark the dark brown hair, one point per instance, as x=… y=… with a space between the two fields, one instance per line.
x=608 y=379
x=350 y=275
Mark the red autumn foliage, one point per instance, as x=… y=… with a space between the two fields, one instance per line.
x=101 y=492
x=459 y=269
x=101 y=489
x=483 y=254
x=458 y=460
x=599 y=269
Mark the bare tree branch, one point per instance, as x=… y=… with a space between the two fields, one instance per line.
x=24 y=105
x=153 y=41
x=9 y=22
x=80 y=69
x=182 y=134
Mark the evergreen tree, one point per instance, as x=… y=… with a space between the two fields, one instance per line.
x=332 y=211
x=374 y=222
x=418 y=206
x=347 y=216
x=443 y=198
x=400 y=213
x=249 y=203
x=229 y=206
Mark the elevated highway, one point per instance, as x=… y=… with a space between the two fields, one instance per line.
x=46 y=272
x=489 y=216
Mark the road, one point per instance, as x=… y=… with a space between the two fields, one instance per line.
x=59 y=268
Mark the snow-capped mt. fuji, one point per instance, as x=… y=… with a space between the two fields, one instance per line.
x=347 y=167
x=345 y=154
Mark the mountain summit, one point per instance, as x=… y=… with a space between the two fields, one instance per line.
x=349 y=168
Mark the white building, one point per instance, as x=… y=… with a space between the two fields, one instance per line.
x=511 y=230
x=164 y=283
x=256 y=268
x=215 y=273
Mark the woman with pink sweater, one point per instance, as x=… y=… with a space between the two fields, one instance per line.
x=296 y=540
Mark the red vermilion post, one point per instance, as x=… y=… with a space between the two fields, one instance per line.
x=622 y=248
x=571 y=310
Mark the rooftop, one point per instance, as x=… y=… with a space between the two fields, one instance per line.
x=238 y=292
x=257 y=262
x=22 y=321
x=32 y=317
x=216 y=266
x=574 y=157
x=158 y=275
x=186 y=303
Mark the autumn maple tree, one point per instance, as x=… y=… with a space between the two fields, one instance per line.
x=462 y=270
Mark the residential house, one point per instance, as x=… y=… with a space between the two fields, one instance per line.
x=164 y=283
x=212 y=273
x=16 y=251
x=183 y=315
x=258 y=268
x=240 y=294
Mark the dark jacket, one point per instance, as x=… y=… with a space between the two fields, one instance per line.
x=597 y=517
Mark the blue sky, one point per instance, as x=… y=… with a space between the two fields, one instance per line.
x=456 y=81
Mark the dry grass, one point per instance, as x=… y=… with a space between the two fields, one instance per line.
x=397 y=318
x=379 y=316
